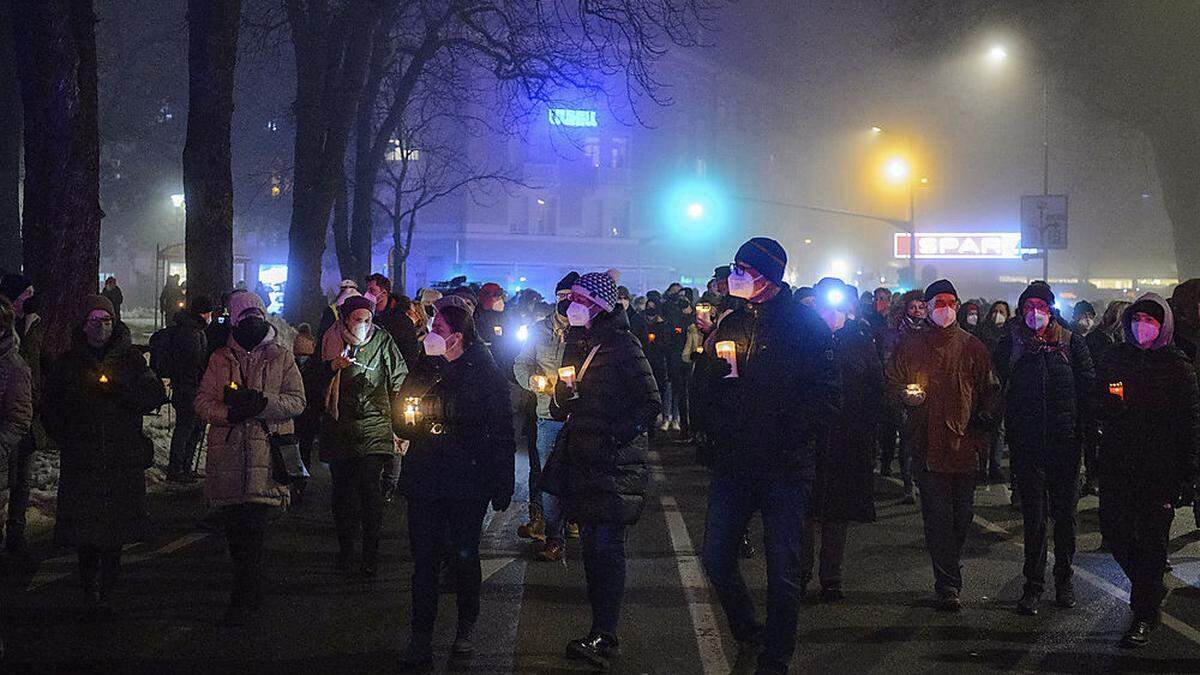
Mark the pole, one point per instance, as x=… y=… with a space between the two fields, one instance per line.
x=912 y=221
x=1045 y=166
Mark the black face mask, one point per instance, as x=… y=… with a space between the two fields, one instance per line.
x=562 y=306
x=30 y=305
x=250 y=332
x=430 y=311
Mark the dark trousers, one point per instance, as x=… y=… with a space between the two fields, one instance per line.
x=889 y=426
x=680 y=374
x=833 y=550
x=784 y=504
x=1048 y=490
x=19 y=465
x=358 y=502
x=245 y=530
x=528 y=459
x=187 y=434
x=99 y=567
x=432 y=523
x=603 y=548
x=1138 y=530
x=947 y=502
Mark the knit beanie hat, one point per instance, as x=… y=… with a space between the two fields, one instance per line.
x=764 y=255
x=721 y=272
x=242 y=303
x=938 y=287
x=1038 y=289
x=1147 y=307
x=13 y=285
x=566 y=282
x=599 y=287
x=454 y=301
x=354 y=303
x=1083 y=307
x=344 y=294
x=348 y=283
x=489 y=293
x=304 y=345
x=93 y=302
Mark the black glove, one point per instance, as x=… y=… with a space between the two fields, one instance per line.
x=565 y=397
x=247 y=405
x=501 y=502
x=719 y=368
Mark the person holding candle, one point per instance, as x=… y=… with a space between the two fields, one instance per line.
x=356 y=429
x=460 y=459
x=1149 y=414
x=540 y=357
x=842 y=491
x=908 y=320
x=612 y=399
x=765 y=424
x=251 y=390
x=943 y=377
x=98 y=391
x=1048 y=380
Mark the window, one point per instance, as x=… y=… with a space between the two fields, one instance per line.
x=544 y=216
x=565 y=117
x=620 y=153
x=395 y=154
x=591 y=148
x=272 y=125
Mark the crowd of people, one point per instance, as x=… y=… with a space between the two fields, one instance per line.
x=462 y=399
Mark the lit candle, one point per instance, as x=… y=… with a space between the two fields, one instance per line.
x=727 y=349
x=1117 y=389
x=103 y=378
x=651 y=337
x=498 y=330
x=914 y=394
x=567 y=375
x=540 y=383
x=703 y=309
x=412 y=406
x=233 y=385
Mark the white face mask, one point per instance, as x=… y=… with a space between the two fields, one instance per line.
x=972 y=319
x=1145 y=333
x=360 y=331
x=435 y=345
x=741 y=286
x=578 y=315
x=1037 y=319
x=498 y=305
x=1001 y=319
x=943 y=316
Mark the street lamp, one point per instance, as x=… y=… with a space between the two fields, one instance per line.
x=997 y=54
x=177 y=201
x=897 y=171
x=695 y=211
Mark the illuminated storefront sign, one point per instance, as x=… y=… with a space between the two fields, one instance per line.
x=960 y=246
x=565 y=117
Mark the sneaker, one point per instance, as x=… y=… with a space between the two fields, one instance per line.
x=462 y=639
x=572 y=530
x=535 y=529
x=666 y=424
x=1064 y=595
x=675 y=425
x=1028 y=604
x=553 y=551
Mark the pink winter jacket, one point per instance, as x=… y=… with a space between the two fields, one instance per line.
x=238 y=464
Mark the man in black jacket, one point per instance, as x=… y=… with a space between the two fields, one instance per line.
x=188 y=355
x=1185 y=304
x=768 y=412
x=1048 y=382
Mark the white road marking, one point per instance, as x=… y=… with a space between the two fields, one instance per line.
x=713 y=659
x=45 y=576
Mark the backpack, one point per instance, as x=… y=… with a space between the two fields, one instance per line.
x=161 y=357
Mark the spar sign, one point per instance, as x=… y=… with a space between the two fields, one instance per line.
x=960 y=245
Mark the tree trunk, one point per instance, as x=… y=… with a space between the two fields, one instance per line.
x=331 y=60
x=207 y=169
x=10 y=147
x=56 y=61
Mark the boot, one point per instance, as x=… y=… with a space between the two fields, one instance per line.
x=418 y=655
x=462 y=640
x=1028 y=604
x=1138 y=634
x=535 y=529
x=553 y=551
x=596 y=649
x=1064 y=594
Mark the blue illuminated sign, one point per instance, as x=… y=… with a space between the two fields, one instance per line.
x=565 y=117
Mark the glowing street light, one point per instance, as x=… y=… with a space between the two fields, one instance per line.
x=177 y=201
x=997 y=55
x=877 y=129
x=897 y=170
x=695 y=211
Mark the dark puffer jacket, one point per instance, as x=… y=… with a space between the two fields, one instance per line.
x=617 y=399
x=98 y=429
x=846 y=455
x=1049 y=393
x=1151 y=433
x=473 y=457
x=766 y=422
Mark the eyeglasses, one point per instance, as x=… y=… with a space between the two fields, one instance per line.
x=738 y=268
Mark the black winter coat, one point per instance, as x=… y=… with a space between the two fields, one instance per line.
x=846 y=455
x=98 y=428
x=394 y=319
x=1049 y=395
x=473 y=456
x=188 y=354
x=766 y=422
x=617 y=399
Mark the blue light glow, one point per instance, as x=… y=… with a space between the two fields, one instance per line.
x=695 y=208
x=565 y=117
x=835 y=297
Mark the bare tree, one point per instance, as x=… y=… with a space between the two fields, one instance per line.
x=56 y=62
x=207 y=170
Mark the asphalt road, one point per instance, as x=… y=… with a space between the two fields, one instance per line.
x=319 y=622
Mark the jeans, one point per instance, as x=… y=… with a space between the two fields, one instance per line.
x=784 y=504
x=358 y=502
x=99 y=567
x=603 y=548
x=833 y=550
x=680 y=373
x=1048 y=490
x=547 y=433
x=1138 y=530
x=245 y=531
x=431 y=524
x=947 y=503
x=20 y=463
x=187 y=434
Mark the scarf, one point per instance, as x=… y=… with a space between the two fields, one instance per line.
x=336 y=342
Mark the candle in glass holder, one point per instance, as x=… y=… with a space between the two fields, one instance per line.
x=1117 y=389
x=103 y=378
x=914 y=394
x=412 y=407
x=567 y=375
x=233 y=385
x=540 y=384
x=498 y=330
x=727 y=349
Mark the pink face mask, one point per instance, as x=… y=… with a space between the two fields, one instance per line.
x=1145 y=333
